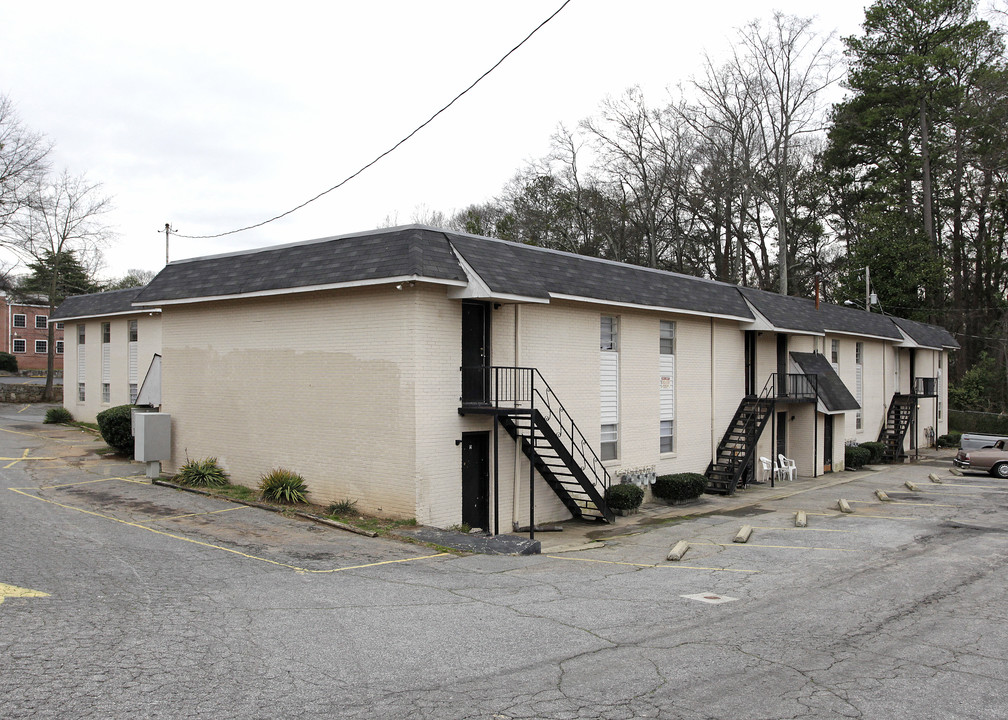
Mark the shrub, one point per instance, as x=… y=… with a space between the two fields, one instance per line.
x=8 y=362
x=856 y=456
x=680 y=486
x=951 y=440
x=280 y=485
x=115 y=427
x=202 y=473
x=876 y=449
x=57 y=415
x=624 y=496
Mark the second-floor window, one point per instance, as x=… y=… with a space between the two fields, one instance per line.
x=41 y=321
x=20 y=320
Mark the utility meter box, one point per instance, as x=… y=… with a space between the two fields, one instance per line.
x=152 y=437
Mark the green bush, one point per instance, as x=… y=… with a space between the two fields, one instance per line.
x=856 y=456
x=950 y=440
x=876 y=449
x=8 y=362
x=624 y=496
x=202 y=473
x=342 y=507
x=57 y=415
x=680 y=486
x=285 y=486
x=115 y=427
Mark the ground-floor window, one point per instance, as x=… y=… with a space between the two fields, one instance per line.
x=20 y=345
x=666 y=436
x=80 y=392
x=610 y=436
x=106 y=392
x=41 y=347
x=133 y=393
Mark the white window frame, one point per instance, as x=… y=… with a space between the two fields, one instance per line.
x=666 y=386
x=44 y=345
x=666 y=440
x=81 y=333
x=45 y=322
x=132 y=331
x=19 y=320
x=22 y=342
x=609 y=333
x=609 y=445
x=133 y=392
x=106 y=392
x=80 y=392
x=666 y=337
x=59 y=347
x=859 y=384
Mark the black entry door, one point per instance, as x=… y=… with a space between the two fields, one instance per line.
x=827 y=438
x=782 y=364
x=476 y=479
x=782 y=433
x=750 y=362
x=475 y=353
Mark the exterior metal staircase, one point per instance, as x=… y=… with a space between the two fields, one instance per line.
x=897 y=421
x=737 y=448
x=532 y=414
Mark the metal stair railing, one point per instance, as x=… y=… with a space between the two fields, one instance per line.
x=738 y=460
x=525 y=387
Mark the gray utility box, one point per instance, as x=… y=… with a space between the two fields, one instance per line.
x=152 y=436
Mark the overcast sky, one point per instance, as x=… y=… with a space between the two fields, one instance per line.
x=215 y=115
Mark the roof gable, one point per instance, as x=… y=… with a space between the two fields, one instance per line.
x=931 y=336
x=113 y=302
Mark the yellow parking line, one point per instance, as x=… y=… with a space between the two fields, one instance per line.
x=774 y=547
x=209 y=512
x=804 y=529
x=862 y=515
x=961 y=485
x=23 y=409
x=647 y=565
x=221 y=547
x=900 y=502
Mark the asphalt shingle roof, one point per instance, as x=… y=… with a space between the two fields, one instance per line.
x=932 y=336
x=832 y=392
x=800 y=314
x=368 y=256
x=537 y=272
x=95 y=304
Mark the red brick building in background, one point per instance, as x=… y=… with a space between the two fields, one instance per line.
x=25 y=334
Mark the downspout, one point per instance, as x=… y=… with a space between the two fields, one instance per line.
x=517 y=454
x=712 y=411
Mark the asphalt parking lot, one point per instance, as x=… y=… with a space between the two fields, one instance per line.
x=120 y=598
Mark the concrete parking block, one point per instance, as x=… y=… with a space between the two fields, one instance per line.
x=910 y=486
x=743 y=534
x=801 y=519
x=934 y=478
x=844 y=506
x=678 y=550
x=881 y=495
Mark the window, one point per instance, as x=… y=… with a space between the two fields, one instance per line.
x=859 y=383
x=132 y=330
x=41 y=321
x=80 y=334
x=133 y=393
x=665 y=436
x=106 y=333
x=835 y=352
x=20 y=345
x=59 y=326
x=59 y=347
x=106 y=392
x=666 y=338
x=609 y=335
x=42 y=347
x=609 y=437
x=80 y=392
x=20 y=320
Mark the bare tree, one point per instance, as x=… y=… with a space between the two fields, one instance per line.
x=24 y=162
x=63 y=215
x=791 y=65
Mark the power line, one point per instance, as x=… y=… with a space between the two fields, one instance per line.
x=420 y=127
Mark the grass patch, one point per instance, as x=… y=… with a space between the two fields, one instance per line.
x=202 y=473
x=282 y=486
x=91 y=427
x=342 y=507
x=236 y=492
x=106 y=451
x=382 y=526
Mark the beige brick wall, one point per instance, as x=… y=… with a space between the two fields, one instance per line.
x=320 y=383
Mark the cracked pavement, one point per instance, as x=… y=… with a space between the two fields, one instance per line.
x=163 y=604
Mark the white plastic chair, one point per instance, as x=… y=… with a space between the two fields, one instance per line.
x=787 y=468
x=766 y=469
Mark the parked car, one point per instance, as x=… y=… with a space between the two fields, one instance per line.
x=994 y=459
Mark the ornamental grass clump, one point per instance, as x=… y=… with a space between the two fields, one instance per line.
x=202 y=473
x=57 y=415
x=283 y=486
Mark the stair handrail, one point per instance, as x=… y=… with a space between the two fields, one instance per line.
x=578 y=442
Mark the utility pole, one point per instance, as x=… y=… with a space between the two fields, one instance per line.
x=867 y=290
x=167 y=231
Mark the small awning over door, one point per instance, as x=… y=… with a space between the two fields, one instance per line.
x=833 y=394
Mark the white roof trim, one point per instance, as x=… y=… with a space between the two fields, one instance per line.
x=884 y=338
x=763 y=324
x=305 y=289
x=138 y=311
x=657 y=308
x=477 y=289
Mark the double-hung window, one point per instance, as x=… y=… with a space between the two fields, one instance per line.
x=106 y=366
x=666 y=386
x=859 y=383
x=42 y=347
x=20 y=345
x=19 y=320
x=41 y=322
